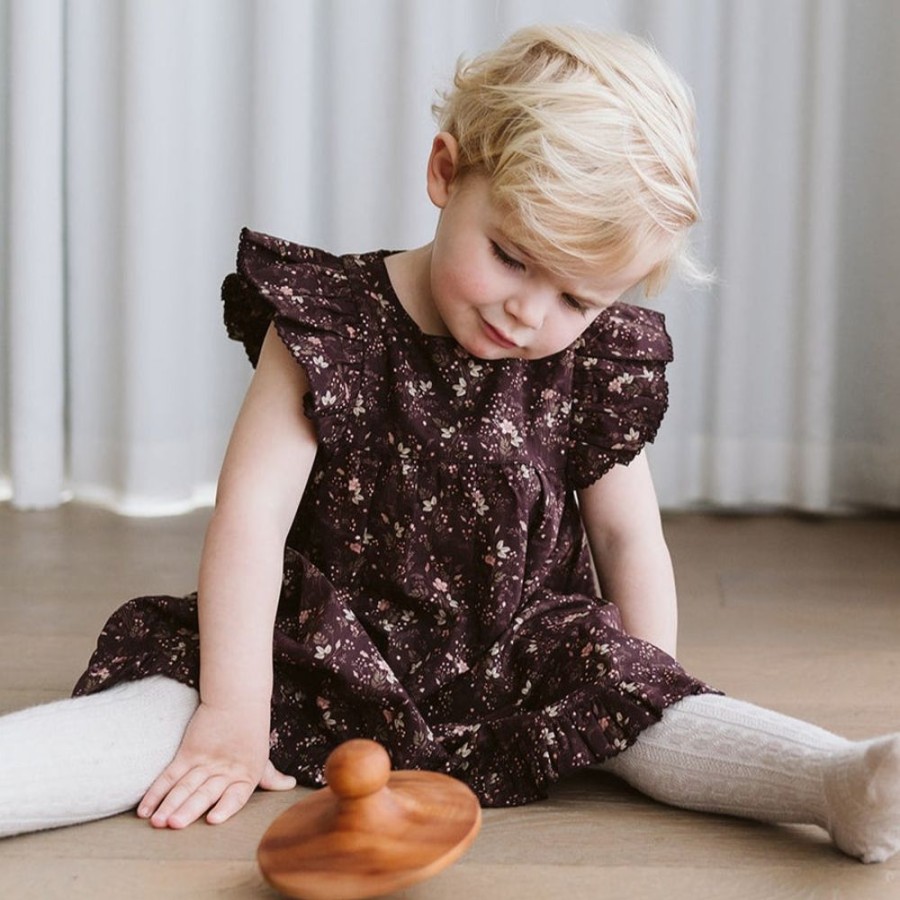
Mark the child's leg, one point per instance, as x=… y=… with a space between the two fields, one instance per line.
x=720 y=755
x=88 y=757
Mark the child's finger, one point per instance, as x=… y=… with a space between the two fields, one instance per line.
x=233 y=800
x=178 y=795
x=273 y=780
x=198 y=802
x=160 y=789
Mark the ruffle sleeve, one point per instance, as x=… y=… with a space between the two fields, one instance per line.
x=307 y=294
x=620 y=393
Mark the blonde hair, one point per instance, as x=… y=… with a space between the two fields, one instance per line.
x=588 y=140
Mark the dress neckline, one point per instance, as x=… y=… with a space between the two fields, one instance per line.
x=386 y=288
x=405 y=321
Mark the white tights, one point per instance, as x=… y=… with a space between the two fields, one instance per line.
x=90 y=757
x=716 y=754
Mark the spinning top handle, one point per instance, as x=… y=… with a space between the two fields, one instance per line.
x=357 y=768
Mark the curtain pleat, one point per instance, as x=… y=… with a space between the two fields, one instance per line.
x=819 y=296
x=95 y=293
x=140 y=135
x=35 y=259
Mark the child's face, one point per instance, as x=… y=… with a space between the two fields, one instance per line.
x=498 y=302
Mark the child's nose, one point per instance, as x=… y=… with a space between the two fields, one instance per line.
x=528 y=308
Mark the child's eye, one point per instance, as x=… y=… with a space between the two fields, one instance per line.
x=574 y=303
x=505 y=258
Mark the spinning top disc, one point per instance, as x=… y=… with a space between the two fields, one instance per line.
x=370 y=831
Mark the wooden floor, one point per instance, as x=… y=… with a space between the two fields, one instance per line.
x=800 y=615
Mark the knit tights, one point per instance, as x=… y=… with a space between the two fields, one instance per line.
x=720 y=755
x=90 y=757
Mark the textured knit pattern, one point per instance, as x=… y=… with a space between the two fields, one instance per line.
x=437 y=592
x=89 y=757
x=720 y=755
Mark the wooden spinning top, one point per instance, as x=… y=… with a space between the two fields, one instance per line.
x=370 y=831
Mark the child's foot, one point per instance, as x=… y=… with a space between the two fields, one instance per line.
x=863 y=799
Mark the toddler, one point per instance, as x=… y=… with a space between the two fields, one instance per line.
x=435 y=447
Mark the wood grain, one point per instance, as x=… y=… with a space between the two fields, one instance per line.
x=798 y=614
x=369 y=832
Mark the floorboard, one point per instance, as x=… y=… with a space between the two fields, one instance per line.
x=799 y=614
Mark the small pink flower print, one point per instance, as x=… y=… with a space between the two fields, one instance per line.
x=616 y=385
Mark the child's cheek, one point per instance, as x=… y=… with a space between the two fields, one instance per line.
x=559 y=336
x=465 y=284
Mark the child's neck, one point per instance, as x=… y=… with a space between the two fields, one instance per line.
x=410 y=275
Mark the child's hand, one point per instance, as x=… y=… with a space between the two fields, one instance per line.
x=219 y=764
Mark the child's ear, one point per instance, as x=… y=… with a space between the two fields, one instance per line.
x=443 y=163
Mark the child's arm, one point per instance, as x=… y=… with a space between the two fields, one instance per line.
x=621 y=517
x=225 y=751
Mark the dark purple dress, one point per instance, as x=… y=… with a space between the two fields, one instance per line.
x=438 y=594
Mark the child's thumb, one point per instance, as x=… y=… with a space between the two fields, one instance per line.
x=273 y=780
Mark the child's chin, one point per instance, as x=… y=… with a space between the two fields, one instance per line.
x=491 y=354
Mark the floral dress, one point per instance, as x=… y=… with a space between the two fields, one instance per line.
x=437 y=594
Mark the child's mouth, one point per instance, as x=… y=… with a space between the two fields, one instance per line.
x=498 y=337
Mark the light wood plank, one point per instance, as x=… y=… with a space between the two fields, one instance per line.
x=797 y=614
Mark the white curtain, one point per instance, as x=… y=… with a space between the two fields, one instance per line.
x=140 y=135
